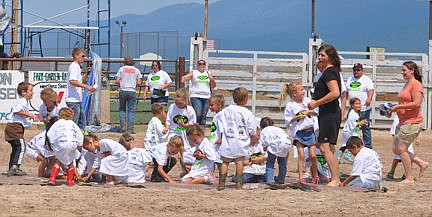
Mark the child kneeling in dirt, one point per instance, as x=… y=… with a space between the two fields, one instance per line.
x=367 y=167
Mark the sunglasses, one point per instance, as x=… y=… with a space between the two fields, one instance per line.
x=201 y=63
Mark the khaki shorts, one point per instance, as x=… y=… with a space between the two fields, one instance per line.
x=235 y=160
x=14 y=131
x=408 y=132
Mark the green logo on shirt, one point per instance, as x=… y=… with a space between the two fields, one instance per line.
x=184 y=118
x=155 y=78
x=203 y=77
x=212 y=127
x=355 y=84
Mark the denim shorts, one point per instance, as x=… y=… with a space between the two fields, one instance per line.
x=306 y=137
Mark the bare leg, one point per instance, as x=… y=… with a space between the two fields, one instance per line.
x=198 y=180
x=313 y=160
x=332 y=162
x=401 y=148
x=300 y=161
x=421 y=163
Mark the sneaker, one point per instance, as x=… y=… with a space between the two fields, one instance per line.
x=16 y=172
x=316 y=180
x=403 y=177
x=390 y=175
x=302 y=180
x=307 y=175
x=21 y=172
x=348 y=156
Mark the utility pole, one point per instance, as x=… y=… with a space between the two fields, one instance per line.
x=15 y=25
x=205 y=20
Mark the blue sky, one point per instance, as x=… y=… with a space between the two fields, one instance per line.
x=48 y=8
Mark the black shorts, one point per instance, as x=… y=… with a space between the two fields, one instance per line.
x=329 y=123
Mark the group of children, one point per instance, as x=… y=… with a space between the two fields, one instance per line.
x=62 y=148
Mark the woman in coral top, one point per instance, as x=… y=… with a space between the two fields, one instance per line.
x=410 y=117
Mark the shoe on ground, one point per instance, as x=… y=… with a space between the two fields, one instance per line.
x=348 y=156
x=316 y=180
x=302 y=180
x=390 y=175
x=16 y=172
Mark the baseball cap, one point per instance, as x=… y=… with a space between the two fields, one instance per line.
x=357 y=66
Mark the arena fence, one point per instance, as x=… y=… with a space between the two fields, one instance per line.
x=264 y=73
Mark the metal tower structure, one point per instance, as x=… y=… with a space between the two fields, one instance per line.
x=22 y=36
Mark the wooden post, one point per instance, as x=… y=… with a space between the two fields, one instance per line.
x=181 y=71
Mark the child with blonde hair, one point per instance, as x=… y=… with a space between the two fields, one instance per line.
x=49 y=108
x=163 y=159
x=302 y=123
x=237 y=127
x=14 y=130
x=180 y=116
x=113 y=164
x=154 y=134
x=202 y=169
x=216 y=103
x=63 y=138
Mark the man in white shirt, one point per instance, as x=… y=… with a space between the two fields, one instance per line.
x=362 y=87
x=75 y=85
x=127 y=78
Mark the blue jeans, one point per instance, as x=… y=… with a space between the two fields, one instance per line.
x=357 y=182
x=367 y=135
x=201 y=107
x=160 y=100
x=251 y=178
x=79 y=117
x=127 y=99
x=282 y=162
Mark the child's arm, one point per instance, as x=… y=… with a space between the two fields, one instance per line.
x=77 y=175
x=27 y=114
x=347 y=181
x=310 y=112
x=165 y=130
x=92 y=171
x=361 y=123
x=164 y=174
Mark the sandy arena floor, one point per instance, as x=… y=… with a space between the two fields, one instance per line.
x=175 y=200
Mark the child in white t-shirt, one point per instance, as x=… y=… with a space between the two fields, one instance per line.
x=202 y=169
x=154 y=134
x=254 y=168
x=163 y=159
x=216 y=103
x=139 y=158
x=367 y=166
x=277 y=143
x=14 y=130
x=113 y=164
x=180 y=116
x=65 y=137
x=303 y=123
x=237 y=125
x=36 y=150
x=49 y=107
x=351 y=127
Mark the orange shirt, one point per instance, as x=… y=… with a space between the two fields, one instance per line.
x=410 y=116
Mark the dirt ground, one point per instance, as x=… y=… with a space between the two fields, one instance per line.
x=175 y=200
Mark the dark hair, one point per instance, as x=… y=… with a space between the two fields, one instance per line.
x=332 y=54
x=47 y=128
x=265 y=122
x=354 y=140
x=351 y=102
x=23 y=86
x=413 y=66
x=158 y=63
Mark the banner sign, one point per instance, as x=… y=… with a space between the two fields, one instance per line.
x=9 y=80
x=48 y=79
